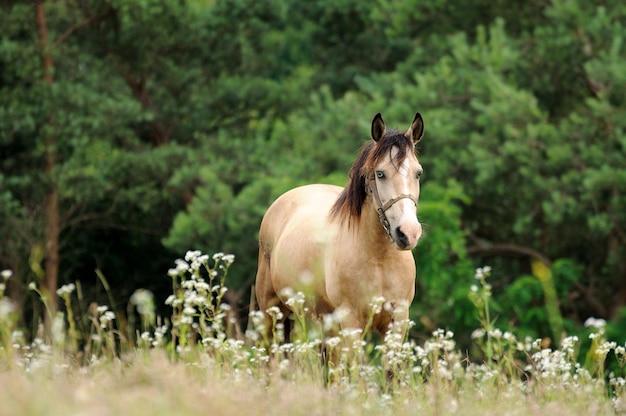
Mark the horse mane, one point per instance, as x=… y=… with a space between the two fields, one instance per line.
x=351 y=199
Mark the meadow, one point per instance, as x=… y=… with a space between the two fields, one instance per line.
x=199 y=361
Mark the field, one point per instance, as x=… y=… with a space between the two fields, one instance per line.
x=195 y=363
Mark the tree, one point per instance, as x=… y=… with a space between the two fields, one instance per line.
x=542 y=167
x=51 y=200
x=168 y=125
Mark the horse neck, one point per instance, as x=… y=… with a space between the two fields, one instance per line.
x=371 y=235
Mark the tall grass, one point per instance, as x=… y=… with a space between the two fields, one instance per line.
x=196 y=361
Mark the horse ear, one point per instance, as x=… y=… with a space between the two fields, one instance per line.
x=416 y=131
x=378 y=127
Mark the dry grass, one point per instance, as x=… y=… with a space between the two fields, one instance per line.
x=193 y=366
x=151 y=384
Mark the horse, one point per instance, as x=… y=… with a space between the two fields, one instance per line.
x=342 y=247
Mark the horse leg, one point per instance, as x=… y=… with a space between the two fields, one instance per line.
x=340 y=341
x=266 y=296
x=393 y=331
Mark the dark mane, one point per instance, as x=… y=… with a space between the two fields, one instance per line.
x=350 y=201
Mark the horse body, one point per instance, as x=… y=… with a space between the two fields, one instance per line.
x=294 y=240
x=336 y=246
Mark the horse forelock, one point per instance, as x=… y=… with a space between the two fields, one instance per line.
x=384 y=147
x=350 y=201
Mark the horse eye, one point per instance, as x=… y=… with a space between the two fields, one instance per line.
x=380 y=174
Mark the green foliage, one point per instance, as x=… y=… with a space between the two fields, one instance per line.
x=175 y=125
x=528 y=174
x=441 y=259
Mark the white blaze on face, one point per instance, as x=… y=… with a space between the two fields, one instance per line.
x=408 y=222
x=409 y=210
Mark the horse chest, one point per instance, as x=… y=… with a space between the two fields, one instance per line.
x=356 y=280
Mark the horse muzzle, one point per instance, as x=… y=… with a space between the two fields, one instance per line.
x=406 y=236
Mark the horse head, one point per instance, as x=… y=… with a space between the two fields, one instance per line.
x=391 y=173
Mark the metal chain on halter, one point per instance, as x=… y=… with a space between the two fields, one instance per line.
x=382 y=208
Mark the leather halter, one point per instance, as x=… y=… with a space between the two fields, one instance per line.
x=382 y=208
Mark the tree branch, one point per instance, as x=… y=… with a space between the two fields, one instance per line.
x=599 y=310
x=78 y=25
x=510 y=249
x=137 y=85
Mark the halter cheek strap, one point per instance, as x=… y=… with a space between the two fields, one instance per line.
x=382 y=208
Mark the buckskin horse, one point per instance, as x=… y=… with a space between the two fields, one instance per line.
x=344 y=246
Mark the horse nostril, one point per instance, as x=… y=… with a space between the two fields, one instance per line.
x=403 y=240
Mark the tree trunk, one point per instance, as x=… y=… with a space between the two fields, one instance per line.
x=51 y=200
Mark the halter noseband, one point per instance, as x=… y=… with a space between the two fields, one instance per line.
x=382 y=208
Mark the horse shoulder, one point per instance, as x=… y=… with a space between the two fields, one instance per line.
x=296 y=230
x=400 y=273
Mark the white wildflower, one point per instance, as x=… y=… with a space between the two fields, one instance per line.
x=192 y=255
x=569 y=342
x=142 y=297
x=376 y=304
x=595 y=323
x=144 y=302
x=202 y=286
x=495 y=333
x=181 y=266
x=159 y=334
x=106 y=318
x=186 y=320
x=333 y=342
x=275 y=312
x=478 y=333
x=252 y=335
x=507 y=336
x=6 y=308
x=605 y=347
x=350 y=332
x=66 y=289
x=296 y=300
x=482 y=273
x=228 y=259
